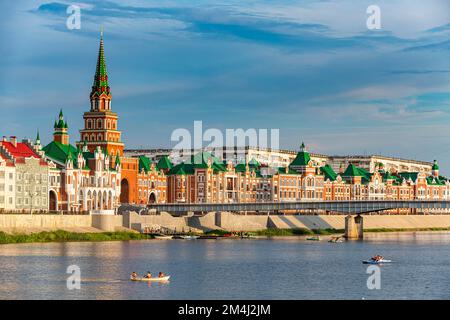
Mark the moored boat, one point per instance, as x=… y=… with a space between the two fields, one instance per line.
x=189 y=237
x=163 y=237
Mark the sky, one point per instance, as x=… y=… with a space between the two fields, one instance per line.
x=311 y=69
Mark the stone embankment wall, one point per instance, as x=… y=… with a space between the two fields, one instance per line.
x=210 y=221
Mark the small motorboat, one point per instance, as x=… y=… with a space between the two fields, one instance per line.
x=313 y=239
x=163 y=237
x=336 y=240
x=371 y=261
x=189 y=237
x=155 y=279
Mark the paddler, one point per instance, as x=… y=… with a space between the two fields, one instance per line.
x=148 y=276
x=161 y=275
x=133 y=275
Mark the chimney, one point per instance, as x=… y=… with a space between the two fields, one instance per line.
x=13 y=141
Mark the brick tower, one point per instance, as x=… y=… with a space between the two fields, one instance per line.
x=100 y=122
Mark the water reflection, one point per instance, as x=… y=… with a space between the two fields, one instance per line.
x=230 y=269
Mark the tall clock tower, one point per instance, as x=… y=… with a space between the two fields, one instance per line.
x=100 y=122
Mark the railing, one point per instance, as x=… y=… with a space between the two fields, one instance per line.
x=354 y=206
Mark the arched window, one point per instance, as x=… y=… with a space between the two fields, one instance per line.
x=89 y=124
x=99 y=124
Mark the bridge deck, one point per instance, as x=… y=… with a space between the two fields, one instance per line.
x=363 y=206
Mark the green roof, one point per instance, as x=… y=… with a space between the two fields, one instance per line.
x=302 y=159
x=61 y=124
x=435 y=166
x=164 y=163
x=282 y=170
x=144 y=163
x=328 y=172
x=200 y=161
x=100 y=84
x=408 y=175
x=58 y=151
x=254 y=163
x=352 y=171
x=389 y=176
x=182 y=169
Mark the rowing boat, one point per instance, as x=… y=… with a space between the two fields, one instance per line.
x=156 y=279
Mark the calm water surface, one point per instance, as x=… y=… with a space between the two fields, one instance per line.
x=230 y=269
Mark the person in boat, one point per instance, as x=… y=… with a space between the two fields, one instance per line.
x=148 y=275
x=377 y=258
x=161 y=275
x=133 y=275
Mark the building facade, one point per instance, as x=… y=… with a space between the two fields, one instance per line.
x=25 y=176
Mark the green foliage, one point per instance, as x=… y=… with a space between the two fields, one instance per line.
x=63 y=236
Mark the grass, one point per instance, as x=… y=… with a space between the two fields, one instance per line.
x=63 y=236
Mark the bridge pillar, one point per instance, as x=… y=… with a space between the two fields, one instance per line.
x=354 y=228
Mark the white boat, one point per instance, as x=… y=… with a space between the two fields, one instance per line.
x=189 y=237
x=376 y=261
x=155 y=279
x=163 y=237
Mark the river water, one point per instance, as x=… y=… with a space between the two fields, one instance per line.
x=230 y=269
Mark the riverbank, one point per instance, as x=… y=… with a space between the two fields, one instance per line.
x=325 y=234
x=65 y=236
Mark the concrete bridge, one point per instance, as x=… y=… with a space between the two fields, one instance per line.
x=354 y=209
x=343 y=207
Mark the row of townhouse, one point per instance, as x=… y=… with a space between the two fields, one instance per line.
x=207 y=179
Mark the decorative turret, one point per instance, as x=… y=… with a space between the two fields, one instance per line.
x=37 y=142
x=302 y=160
x=61 y=130
x=435 y=169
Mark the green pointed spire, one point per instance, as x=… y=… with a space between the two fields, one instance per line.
x=117 y=159
x=61 y=124
x=100 y=84
x=70 y=156
x=37 y=137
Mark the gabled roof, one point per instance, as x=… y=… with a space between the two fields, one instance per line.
x=409 y=175
x=164 y=163
x=20 y=150
x=352 y=171
x=58 y=151
x=144 y=163
x=328 y=172
x=182 y=169
x=302 y=159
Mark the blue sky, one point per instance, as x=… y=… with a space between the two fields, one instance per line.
x=310 y=68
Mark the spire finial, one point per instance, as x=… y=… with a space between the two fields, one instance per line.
x=101 y=32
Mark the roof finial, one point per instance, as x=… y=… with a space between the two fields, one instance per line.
x=101 y=32
x=302 y=147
